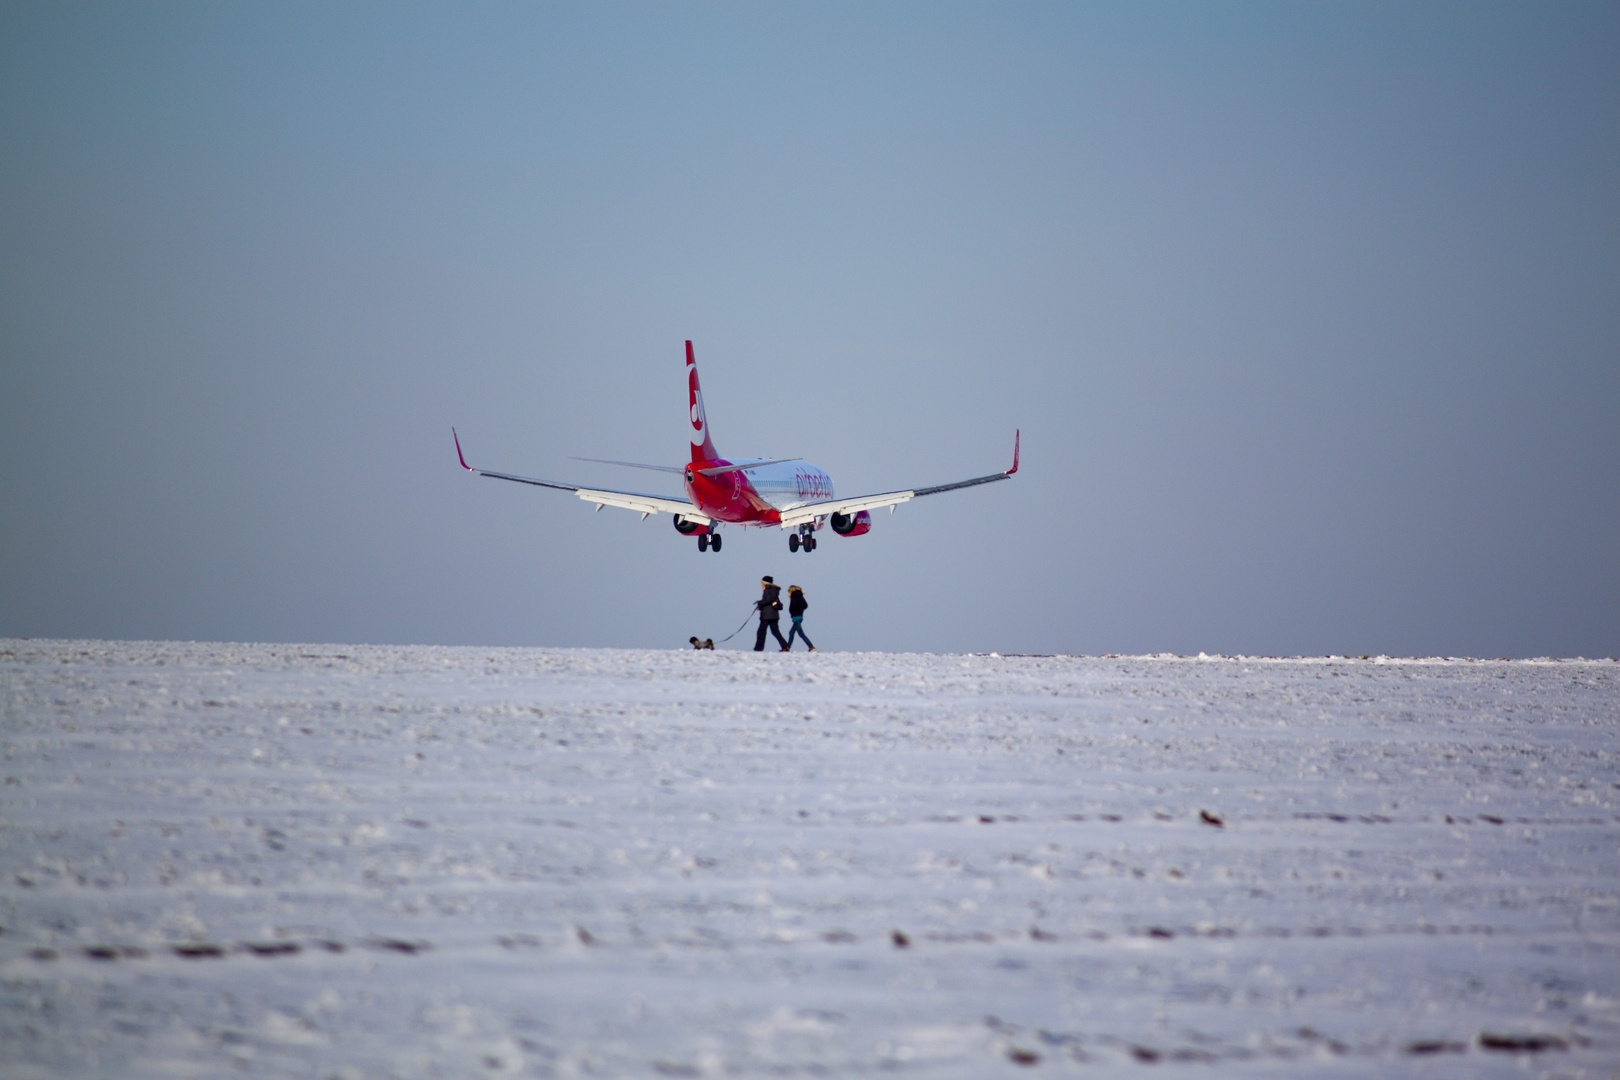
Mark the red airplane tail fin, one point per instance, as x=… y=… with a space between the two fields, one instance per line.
x=702 y=445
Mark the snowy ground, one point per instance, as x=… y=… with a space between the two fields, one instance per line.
x=356 y=861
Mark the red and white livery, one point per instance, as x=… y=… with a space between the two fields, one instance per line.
x=787 y=493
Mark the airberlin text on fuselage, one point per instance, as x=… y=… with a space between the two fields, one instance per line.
x=813 y=485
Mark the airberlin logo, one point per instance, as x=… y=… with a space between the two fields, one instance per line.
x=813 y=485
x=695 y=398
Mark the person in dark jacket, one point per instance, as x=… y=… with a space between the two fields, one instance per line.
x=770 y=609
x=796 y=606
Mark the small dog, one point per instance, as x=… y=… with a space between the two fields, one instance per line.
x=706 y=643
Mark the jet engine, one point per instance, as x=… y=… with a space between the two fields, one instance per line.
x=688 y=528
x=856 y=524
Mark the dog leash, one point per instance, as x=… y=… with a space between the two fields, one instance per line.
x=739 y=629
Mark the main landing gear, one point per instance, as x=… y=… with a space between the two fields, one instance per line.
x=805 y=538
x=707 y=536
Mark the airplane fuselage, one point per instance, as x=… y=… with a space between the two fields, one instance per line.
x=758 y=495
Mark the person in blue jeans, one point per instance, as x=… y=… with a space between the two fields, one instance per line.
x=796 y=605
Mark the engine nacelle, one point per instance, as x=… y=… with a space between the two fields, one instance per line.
x=688 y=528
x=856 y=524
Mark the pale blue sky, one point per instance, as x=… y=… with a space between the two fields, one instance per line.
x=1310 y=315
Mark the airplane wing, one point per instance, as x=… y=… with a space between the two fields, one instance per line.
x=627 y=500
x=801 y=515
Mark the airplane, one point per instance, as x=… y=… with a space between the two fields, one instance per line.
x=788 y=493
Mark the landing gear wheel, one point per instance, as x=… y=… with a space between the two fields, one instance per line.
x=793 y=541
x=714 y=541
x=809 y=543
x=703 y=541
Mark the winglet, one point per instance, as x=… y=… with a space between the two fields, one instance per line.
x=1016 y=436
x=469 y=468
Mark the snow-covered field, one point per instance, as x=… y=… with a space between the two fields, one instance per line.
x=371 y=861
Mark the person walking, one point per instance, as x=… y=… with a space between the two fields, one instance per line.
x=796 y=605
x=770 y=609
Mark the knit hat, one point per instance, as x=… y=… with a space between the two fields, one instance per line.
x=767 y=580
